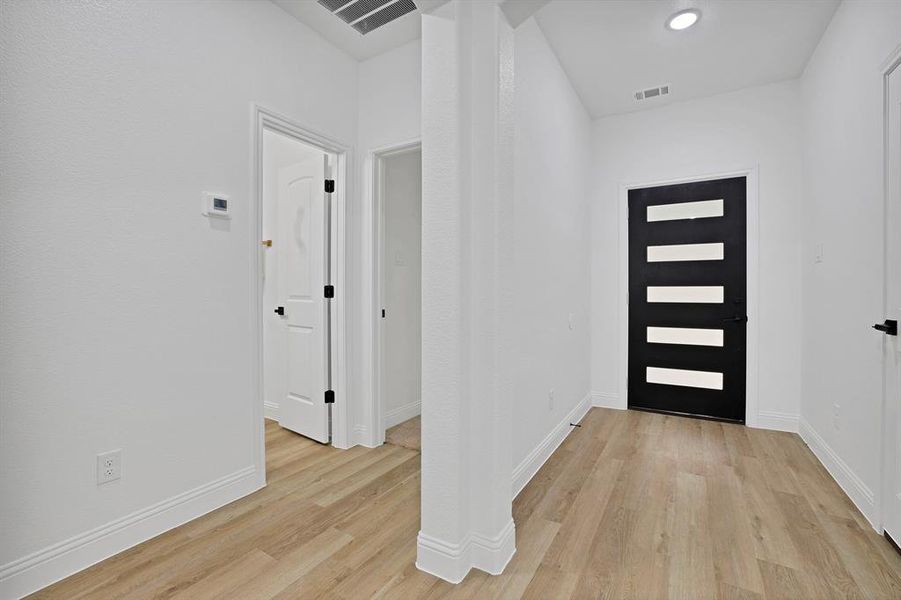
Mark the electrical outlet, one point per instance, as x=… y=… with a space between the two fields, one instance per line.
x=550 y=399
x=571 y=321
x=836 y=416
x=109 y=466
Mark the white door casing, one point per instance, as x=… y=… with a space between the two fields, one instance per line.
x=891 y=344
x=302 y=273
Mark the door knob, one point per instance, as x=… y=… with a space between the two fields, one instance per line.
x=280 y=311
x=890 y=327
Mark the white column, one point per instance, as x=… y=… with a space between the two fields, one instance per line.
x=467 y=158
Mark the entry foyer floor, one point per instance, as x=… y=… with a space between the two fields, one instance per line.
x=632 y=505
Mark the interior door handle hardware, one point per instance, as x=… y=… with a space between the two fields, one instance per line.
x=890 y=327
x=280 y=311
x=267 y=243
x=736 y=319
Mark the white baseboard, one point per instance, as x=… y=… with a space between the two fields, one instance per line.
x=861 y=495
x=491 y=554
x=362 y=437
x=525 y=470
x=607 y=400
x=451 y=562
x=270 y=410
x=39 y=569
x=777 y=421
x=403 y=413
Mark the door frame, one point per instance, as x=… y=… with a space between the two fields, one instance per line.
x=752 y=414
x=373 y=224
x=883 y=498
x=263 y=118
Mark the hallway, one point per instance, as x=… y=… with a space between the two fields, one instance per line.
x=632 y=505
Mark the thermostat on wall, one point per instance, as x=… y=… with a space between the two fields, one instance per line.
x=216 y=205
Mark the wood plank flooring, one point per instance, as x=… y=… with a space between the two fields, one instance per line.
x=632 y=505
x=406 y=434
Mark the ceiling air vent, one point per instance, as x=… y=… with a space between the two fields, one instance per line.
x=367 y=15
x=653 y=92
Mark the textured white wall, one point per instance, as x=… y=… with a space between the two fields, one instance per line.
x=445 y=511
x=391 y=97
x=551 y=237
x=841 y=95
x=125 y=313
x=403 y=287
x=754 y=127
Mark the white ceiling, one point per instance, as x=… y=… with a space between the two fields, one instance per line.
x=391 y=35
x=610 y=49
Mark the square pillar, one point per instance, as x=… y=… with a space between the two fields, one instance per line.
x=467 y=192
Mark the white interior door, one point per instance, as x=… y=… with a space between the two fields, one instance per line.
x=302 y=250
x=892 y=346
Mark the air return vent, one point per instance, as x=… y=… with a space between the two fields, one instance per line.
x=367 y=15
x=653 y=92
x=333 y=5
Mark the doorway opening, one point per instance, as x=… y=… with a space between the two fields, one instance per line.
x=398 y=202
x=298 y=236
x=891 y=359
x=688 y=299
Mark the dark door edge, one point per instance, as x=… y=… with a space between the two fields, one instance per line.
x=891 y=541
x=674 y=413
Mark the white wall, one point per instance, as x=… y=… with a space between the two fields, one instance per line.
x=125 y=313
x=402 y=296
x=390 y=89
x=551 y=237
x=841 y=101
x=390 y=86
x=755 y=127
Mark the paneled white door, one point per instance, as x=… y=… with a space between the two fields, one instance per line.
x=302 y=251
x=892 y=345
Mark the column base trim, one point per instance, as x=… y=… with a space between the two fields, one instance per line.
x=452 y=562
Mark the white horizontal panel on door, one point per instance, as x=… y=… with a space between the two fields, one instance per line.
x=685 y=378
x=685 y=335
x=681 y=252
x=701 y=209
x=701 y=294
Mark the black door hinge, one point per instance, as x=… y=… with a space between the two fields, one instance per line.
x=329 y=396
x=329 y=186
x=889 y=327
x=383 y=313
x=329 y=291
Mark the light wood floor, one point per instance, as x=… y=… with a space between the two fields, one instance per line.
x=632 y=505
x=406 y=434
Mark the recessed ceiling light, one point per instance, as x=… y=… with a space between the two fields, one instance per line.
x=683 y=19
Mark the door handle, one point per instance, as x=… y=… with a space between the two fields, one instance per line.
x=890 y=327
x=280 y=311
x=736 y=319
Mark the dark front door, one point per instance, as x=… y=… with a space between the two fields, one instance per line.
x=687 y=298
